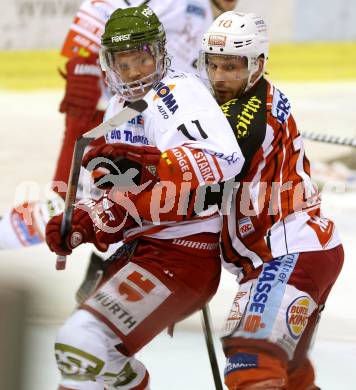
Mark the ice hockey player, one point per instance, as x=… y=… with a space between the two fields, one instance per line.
x=86 y=94
x=152 y=281
x=275 y=239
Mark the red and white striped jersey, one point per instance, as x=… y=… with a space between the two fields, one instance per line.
x=275 y=208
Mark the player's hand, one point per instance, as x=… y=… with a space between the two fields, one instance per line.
x=144 y=159
x=98 y=222
x=82 y=91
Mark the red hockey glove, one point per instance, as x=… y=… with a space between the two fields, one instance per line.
x=82 y=90
x=144 y=159
x=98 y=222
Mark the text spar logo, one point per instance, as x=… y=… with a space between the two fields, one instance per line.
x=164 y=92
x=297 y=316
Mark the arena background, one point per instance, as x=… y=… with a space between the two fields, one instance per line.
x=312 y=60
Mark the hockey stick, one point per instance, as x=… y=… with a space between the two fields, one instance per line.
x=206 y=324
x=330 y=139
x=128 y=113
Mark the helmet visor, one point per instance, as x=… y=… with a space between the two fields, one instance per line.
x=222 y=67
x=131 y=73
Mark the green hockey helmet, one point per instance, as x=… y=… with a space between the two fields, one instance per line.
x=133 y=52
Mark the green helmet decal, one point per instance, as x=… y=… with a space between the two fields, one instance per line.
x=132 y=26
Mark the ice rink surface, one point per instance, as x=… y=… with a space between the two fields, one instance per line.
x=30 y=134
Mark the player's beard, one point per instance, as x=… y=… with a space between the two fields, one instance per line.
x=223 y=93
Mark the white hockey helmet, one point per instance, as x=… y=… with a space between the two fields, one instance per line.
x=236 y=34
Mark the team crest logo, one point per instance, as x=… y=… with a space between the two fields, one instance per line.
x=297 y=316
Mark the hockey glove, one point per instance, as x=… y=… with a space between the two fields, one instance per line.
x=82 y=90
x=98 y=222
x=142 y=159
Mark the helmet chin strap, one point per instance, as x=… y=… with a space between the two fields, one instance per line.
x=250 y=84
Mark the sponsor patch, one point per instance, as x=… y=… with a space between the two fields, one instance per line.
x=88 y=70
x=204 y=166
x=261 y=25
x=120 y=38
x=132 y=132
x=124 y=377
x=164 y=92
x=128 y=298
x=268 y=292
x=281 y=107
x=245 y=226
x=138 y=121
x=76 y=364
x=297 y=316
x=208 y=246
x=217 y=40
x=240 y=361
x=163 y=112
x=244 y=119
x=236 y=312
x=128 y=136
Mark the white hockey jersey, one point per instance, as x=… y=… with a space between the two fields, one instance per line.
x=182 y=113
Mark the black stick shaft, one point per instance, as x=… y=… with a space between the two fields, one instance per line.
x=206 y=323
x=79 y=148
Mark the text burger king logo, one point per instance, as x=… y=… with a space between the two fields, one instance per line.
x=297 y=316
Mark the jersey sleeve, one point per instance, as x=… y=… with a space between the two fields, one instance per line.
x=83 y=38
